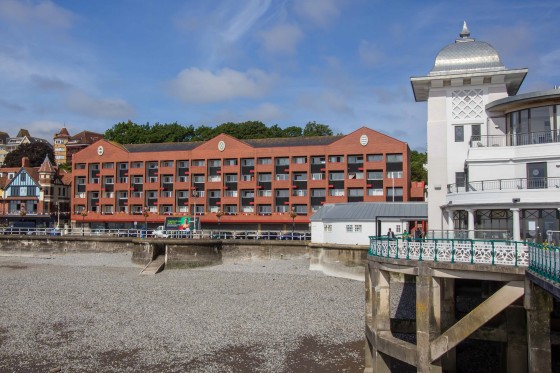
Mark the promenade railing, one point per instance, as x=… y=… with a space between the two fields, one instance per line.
x=545 y=261
x=493 y=252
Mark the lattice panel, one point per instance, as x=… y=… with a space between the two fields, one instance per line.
x=467 y=104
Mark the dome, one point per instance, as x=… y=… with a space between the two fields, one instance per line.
x=466 y=55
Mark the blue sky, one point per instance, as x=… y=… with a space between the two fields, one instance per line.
x=345 y=63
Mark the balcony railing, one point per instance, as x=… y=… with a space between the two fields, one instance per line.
x=505 y=184
x=519 y=139
x=493 y=252
x=545 y=261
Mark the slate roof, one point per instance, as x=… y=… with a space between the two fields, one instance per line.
x=162 y=147
x=292 y=141
x=84 y=137
x=370 y=211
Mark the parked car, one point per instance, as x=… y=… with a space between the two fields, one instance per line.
x=292 y=236
x=269 y=236
x=246 y=235
x=128 y=233
x=159 y=232
x=222 y=235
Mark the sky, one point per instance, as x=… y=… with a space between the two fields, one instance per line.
x=87 y=65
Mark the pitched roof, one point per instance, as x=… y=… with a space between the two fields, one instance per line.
x=85 y=137
x=23 y=133
x=370 y=211
x=162 y=147
x=292 y=141
x=46 y=166
x=63 y=133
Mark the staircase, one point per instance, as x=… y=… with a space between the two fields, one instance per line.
x=154 y=266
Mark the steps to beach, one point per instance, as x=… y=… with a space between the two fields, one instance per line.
x=154 y=266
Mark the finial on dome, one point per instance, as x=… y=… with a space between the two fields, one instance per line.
x=465 y=33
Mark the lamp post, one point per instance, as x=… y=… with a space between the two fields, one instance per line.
x=84 y=214
x=194 y=195
x=219 y=215
x=58 y=214
x=293 y=216
x=146 y=214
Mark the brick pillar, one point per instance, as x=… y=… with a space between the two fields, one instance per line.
x=538 y=304
x=380 y=319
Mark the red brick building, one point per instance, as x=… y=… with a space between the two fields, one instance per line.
x=256 y=184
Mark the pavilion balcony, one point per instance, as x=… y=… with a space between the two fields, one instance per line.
x=505 y=184
x=519 y=139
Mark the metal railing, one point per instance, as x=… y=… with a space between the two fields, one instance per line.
x=481 y=234
x=505 y=184
x=494 y=252
x=545 y=261
x=544 y=137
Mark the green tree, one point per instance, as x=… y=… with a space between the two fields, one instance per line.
x=417 y=162
x=128 y=133
x=292 y=131
x=36 y=153
x=317 y=129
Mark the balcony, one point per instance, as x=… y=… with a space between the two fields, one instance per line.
x=506 y=184
x=531 y=138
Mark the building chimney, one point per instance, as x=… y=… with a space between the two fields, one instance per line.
x=24 y=162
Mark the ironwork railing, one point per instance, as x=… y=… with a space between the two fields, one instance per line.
x=545 y=137
x=545 y=261
x=505 y=184
x=494 y=252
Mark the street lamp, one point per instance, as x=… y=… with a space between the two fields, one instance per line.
x=84 y=214
x=194 y=195
x=293 y=216
x=146 y=214
x=219 y=214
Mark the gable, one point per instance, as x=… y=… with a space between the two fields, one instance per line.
x=221 y=146
x=99 y=151
x=24 y=184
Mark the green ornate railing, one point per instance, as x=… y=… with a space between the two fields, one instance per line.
x=494 y=252
x=545 y=261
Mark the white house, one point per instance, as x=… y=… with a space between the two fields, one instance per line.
x=493 y=155
x=353 y=223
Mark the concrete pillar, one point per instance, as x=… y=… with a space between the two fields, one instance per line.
x=538 y=304
x=448 y=360
x=516 y=323
x=380 y=319
x=470 y=213
x=428 y=306
x=516 y=224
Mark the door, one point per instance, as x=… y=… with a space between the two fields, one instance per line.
x=536 y=175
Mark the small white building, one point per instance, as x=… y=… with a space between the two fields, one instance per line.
x=353 y=223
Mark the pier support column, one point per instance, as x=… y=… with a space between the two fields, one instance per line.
x=516 y=339
x=538 y=304
x=516 y=224
x=470 y=219
x=428 y=316
x=449 y=359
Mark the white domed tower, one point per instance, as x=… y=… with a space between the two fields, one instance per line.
x=467 y=75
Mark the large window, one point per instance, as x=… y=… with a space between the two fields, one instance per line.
x=459 y=134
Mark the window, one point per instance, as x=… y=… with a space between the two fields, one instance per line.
x=166 y=194
x=214 y=193
x=123 y=166
x=198 y=178
x=336 y=175
x=183 y=194
x=137 y=179
x=166 y=163
x=80 y=166
x=355 y=192
x=336 y=159
x=264 y=161
x=230 y=193
x=198 y=162
x=230 y=162
x=356 y=175
x=247 y=177
x=328 y=227
x=460 y=179
x=152 y=179
x=248 y=193
x=336 y=192
x=248 y=162
x=281 y=208
x=136 y=164
x=167 y=179
x=394 y=175
x=356 y=159
x=299 y=160
x=265 y=177
x=396 y=192
x=282 y=161
x=374 y=157
x=318 y=193
x=183 y=164
x=107 y=165
x=280 y=177
x=317 y=160
x=231 y=178
x=357 y=228
x=394 y=158
x=349 y=228
x=214 y=163
x=183 y=179
x=299 y=192
x=265 y=209
x=214 y=178
x=318 y=176
x=300 y=176
x=375 y=192
x=459 y=134
x=265 y=193
x=282 y=193
x=475 y=132
x=109 y=180
x=375 y=175
x=152 y=165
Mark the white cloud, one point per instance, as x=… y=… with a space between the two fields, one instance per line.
x=84 y=104
x=370 y=54
x=32 y=14
x=281 y=38
x=264 y=112
x=244 y=20
x=320 y=12
x=204 y=86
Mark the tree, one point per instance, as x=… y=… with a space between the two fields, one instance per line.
x=417 y=162
x=292 y=131
x=128 y=133
x=35 y=151
x=317 y=129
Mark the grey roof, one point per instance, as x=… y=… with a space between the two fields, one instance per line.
x=162 y=147
x=370 y=211
x=524 y=99
x=466 y=55
x=292 y=141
